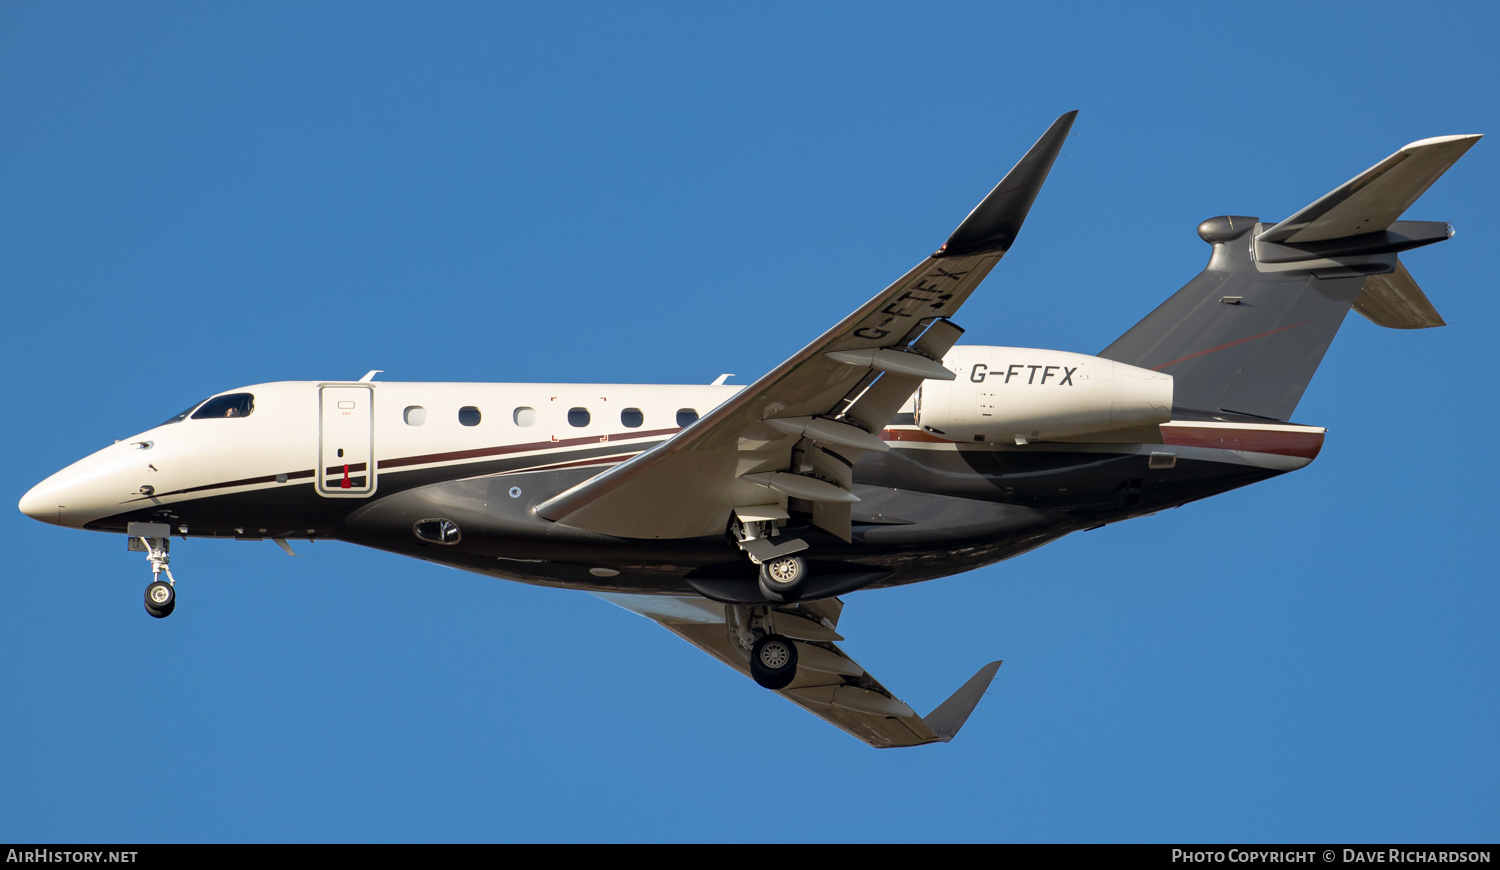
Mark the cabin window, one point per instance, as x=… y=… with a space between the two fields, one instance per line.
x=232 y=405
x=438 y=531
x=578 y=417
x=632 y=418
x=468 y=415
x=415 y=415
x=686 y=417
x=525 y=416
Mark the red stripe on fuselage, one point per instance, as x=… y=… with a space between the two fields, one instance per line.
x=602 y=460
x=1304 y=444
x=518 y=448
x=913 y=435
x=431 y=458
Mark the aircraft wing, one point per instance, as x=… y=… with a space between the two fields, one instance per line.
x=829 y=684
x=796 y=432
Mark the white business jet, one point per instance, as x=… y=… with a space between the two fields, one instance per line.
x=883 y=453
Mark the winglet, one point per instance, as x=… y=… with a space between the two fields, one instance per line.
x=954 y=712
x=995 y=222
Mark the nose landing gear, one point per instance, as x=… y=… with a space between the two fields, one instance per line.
x=151 y=538
x=161 y=599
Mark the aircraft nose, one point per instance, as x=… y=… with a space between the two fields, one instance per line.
x=43 y=502
x=90 y=488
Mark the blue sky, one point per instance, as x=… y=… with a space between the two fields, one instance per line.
x=196 y=197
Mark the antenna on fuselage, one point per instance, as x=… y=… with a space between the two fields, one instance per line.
x=370 y=375
x=719 y=381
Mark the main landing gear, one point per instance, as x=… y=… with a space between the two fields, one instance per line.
x=773 y=657
x=773 y=661
x=151 y=538
x=781 y=579
x=782 y=572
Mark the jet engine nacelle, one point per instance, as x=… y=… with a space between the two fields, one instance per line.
x=1023 y=394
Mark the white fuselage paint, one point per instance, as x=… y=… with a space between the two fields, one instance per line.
x=289 y=433
x=297 y=429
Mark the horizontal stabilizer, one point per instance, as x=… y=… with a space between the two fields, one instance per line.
x=1396 y=302
x=1374 y=199
x=954 y=712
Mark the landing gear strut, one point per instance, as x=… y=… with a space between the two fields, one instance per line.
x=151 y=538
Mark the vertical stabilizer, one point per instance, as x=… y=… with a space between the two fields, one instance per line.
x=1247 y=334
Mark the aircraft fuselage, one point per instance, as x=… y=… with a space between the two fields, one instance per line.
x=452 y=472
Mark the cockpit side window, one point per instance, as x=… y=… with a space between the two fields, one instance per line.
x=178 y=418
x=232 y=405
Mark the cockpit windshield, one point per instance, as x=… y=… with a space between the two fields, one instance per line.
x=232 y=405
x=178 y=418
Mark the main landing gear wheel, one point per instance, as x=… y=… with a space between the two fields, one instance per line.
x=781 y=579
x=773 y=661
x=161 y=599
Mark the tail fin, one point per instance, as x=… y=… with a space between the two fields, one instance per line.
x=1246 y=335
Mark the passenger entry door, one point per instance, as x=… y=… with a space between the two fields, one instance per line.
x=346 y=440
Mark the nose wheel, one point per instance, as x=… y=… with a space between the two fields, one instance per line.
x=161 y=595
x=161 y=599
